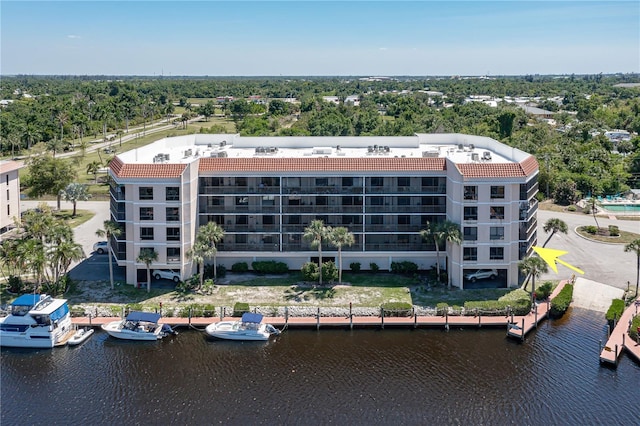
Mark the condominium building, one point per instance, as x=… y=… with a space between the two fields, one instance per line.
x=264 y=192
x=9 y=194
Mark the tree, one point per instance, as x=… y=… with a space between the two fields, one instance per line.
x=315 y=233
x=75 y=192
x=111 y=229
x=48 y=176
x=533 y=266
x=634 y=246
x=211 y=234
x=340 y=237
x=554 y=225
x=147 y=257
x=593 y=206
x=444 y=232
x=93 y=168
x=198 y=253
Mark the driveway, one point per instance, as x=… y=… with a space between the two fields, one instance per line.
x=604 y=263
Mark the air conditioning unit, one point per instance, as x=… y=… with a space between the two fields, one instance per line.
x=475 y=156
x=486 y=155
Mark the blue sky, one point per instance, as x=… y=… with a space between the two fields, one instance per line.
x=319 y=37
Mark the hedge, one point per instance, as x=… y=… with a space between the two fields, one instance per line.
x=635 y=325
x=269 y=267
x=198 y=310
x=615 y=310
x=397 y=309
x=240 y=308
x=561 y=302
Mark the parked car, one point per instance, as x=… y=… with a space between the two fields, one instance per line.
x=100 y=247
x=166 y=274
x=481 y=274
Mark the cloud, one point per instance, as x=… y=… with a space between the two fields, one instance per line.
x=73 y=36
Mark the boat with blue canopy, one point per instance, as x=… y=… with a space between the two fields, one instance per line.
x=250 y=327
x=36 y=321
x=138 y=326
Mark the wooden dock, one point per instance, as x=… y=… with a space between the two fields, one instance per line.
x=619 y=338
x=524 y=324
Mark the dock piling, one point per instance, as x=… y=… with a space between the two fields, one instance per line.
x=318 y=319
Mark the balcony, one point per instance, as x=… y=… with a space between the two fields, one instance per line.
x=528 y=209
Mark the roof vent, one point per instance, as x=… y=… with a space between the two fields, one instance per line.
x=486 y=155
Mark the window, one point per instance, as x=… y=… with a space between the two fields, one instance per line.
x=377 y=201
x=241 y=181
x=145 y=250
x=173 y=234
x=173 y=193
x=347 y=181
x=268 y=220
x=146 y=233
x=377 y=181
x=146 y=213
x=470 y=233
x=242 y=201
x=294 y=220
x=322 y=182
x=322 y=200
x=470 y=213
x=496 y=233
x=404 y=201
x=497 y=192
x=242 y=220
x=268 y=200
x=146 y=193
x=377 y=220
x=496 y=253
x=173 y=214
x=404 y=220
x=404 y=181
x=470 y=253
x=173 y=254
x=496 y=212
x=241 y=239
x=8 y=195
x=470 y=192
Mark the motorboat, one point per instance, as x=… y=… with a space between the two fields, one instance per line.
x=80 y=336
x=138 y=326
x=36 y=321
x=250 y=327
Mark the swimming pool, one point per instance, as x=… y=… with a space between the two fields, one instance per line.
x=630 y=208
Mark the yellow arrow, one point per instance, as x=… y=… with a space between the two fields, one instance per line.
x=551 y=256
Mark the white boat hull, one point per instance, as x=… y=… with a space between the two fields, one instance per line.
x=234 y=330
x=80 y=336
x=35 y=337
x=115 y=329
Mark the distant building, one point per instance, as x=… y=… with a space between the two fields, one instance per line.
x=331 y=99
x=537 y=112
x=9 y=194
x=264 y=192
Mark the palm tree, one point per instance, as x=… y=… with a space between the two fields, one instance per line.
x=111 y=229
x=148 y=257
x=634 y=246
x=60 y=257
x=62 y=118
x=210 y=235
x=340 y=237
x=198 y=253
x=314 y=234
x=554 y=225
x=75 y=192
x=443 y=232
x=593 y=204
x=93 y=168
x=533 y=266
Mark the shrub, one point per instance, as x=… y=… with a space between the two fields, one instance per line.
x=239 y=267
x=635 y=325
x=76 y=312
x=355 y=266
x=374 y=267
x=310 y=271
x=404 y=268
x=397 y=309
x=615 y=310
x=561 y=302
x=221 y=271
x=590 y=229
x=442 y=308
x=240 y=308
x=614 y=231
x=269 y=267
x=329 y=271
x=15 y=284
x=198 y=310
x=543 y=291
x=571 y=208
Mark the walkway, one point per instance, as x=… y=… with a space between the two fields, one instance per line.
x=619 y=338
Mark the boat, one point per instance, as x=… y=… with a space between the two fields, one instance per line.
x=138 y=326
x=250 y=327
x=36 y=321
x=80 y=336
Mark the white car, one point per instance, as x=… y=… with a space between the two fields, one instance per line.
x=166 y=274
x=100 y=247
x=482 y=274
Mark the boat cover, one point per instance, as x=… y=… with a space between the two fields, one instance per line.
x=143 y=316
x=249 y=317
x=26 y=300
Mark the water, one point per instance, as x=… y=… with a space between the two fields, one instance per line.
x=630 y=208
x=332 y=376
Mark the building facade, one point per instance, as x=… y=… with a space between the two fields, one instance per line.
x=264 y=192
x=9 y=194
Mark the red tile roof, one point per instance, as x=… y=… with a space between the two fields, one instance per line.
x=122 y=170
x=9 y=165
x=498 y=170
x=320 y=164
x=530 y=165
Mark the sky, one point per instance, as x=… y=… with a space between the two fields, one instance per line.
x=319 y=38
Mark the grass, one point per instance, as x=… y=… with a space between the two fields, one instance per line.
x=81 y=217
x=624 y=238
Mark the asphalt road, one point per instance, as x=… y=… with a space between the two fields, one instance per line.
x=604 y=263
